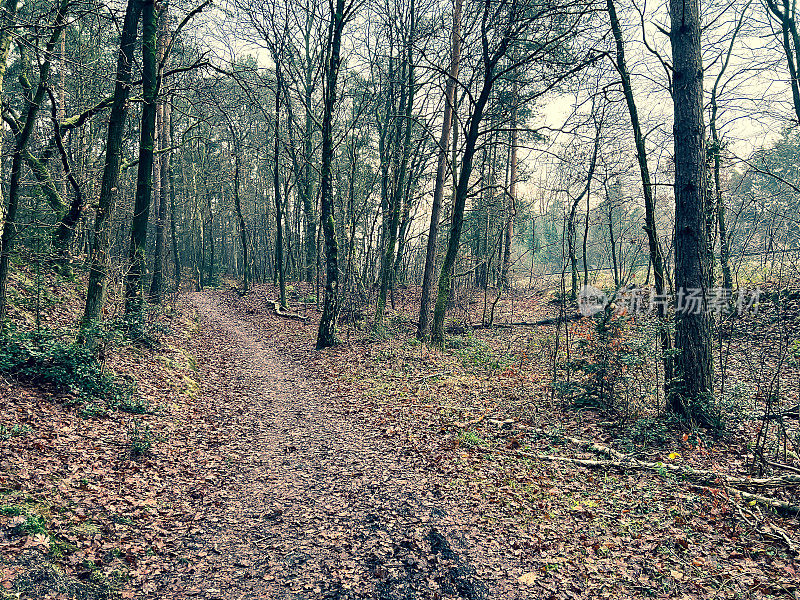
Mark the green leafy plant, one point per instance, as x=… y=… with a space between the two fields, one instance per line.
x=611 y=363
x=11 y=510
x=140 y=438
x=469 y=439
x=134 y=404
x=6 y=433
x=47 y=359
x=478 y=355
x=94 y=410
x=648 y=431
x=33 y=525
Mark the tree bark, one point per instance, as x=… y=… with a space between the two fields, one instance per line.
x=438 y=189
x=98 y=262
x=691 y=394
x=134 y=285
x=281 y=276
x=326 y=335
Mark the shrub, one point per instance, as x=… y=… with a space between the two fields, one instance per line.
x=478 y=355
x=470 y=439
x=33 y=525
x=611 y=360
x=647 y=432
x=11 y=510
x=46 y=359
x=140 y=438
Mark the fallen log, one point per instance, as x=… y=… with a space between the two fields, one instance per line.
x=779 y=505
x=776 y=465
x=459 y=329
x=288 y=315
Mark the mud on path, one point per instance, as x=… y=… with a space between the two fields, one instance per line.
x=314 y=502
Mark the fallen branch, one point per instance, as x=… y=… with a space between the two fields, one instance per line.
x=551 y=321
x=690 y=474
x=775 y=465
x=779 y=505
x=777 y=481
x=769 y=530
x=785 y=537
x=289 y=315
x=463 y=424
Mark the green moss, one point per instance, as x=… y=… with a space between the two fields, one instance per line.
x=11 y=510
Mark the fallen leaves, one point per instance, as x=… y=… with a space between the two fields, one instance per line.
x=424 y=426
x=528 y=578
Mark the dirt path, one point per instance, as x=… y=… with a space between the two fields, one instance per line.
x=315 y=502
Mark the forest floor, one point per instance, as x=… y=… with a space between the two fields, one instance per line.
x=377 y=469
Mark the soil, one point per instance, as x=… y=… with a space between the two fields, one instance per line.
x=378 y=469
x=316 y=501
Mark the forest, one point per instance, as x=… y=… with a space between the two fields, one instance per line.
x=399 y=299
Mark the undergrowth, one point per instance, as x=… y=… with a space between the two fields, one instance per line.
x=53 y=361
x=611 y=361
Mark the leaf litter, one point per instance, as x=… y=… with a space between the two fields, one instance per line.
x=377 y=469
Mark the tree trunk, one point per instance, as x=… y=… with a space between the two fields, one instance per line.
x=237 y=203
x=387 y=264
x=208 y=233
x=281 y=276
x=306 y=187
x=716 y=151
x=438 y=189
x=789 y=38
x=459 y=202
x=98 y=262
x=156 y=294
x=7 y=20
x=65 y=231
x=690 y=397
x=406 y=219
x=585 y=242
x=176 y=258
x=505 y=279
x=571 y=236
x=326 y=335
x=656 y=258
x=134 y=285
x=27 y=124
x=613 y=241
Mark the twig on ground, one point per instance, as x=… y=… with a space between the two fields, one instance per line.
x=775 y=465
